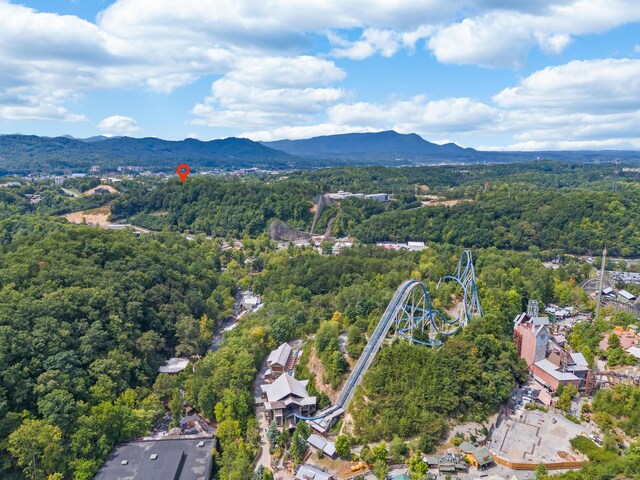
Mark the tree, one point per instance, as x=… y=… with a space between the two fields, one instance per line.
x=188 y=333
x=564 y=402
x=609 y=443
x=298 y=447
x=228 y=432
x=417 y=467
x=380 y=452
x=175 y=407
x=258 y=473
x=273 y=433
x=165 y=385
x=326 y=247
x=303 y=429
x=380 y=469
x=206 y=327
x=37 y=440
x=541 y=471
x=397 y=449
x=343 y=449
x=58 y=408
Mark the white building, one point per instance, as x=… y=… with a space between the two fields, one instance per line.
x=340 y=245
x=628 y=296
x=311 y=472
x=416 y=246
x=321 y=444
x=249 y=300
x=174 y=365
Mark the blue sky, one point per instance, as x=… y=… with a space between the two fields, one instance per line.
x=541 y=74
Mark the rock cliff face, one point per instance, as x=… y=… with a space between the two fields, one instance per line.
x=281 y=231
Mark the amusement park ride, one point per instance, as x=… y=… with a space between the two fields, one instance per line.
x=413 y=317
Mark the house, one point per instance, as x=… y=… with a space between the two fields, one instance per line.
x=277 y=361
x=174 y=365
x=321 y=444
x=285 y=396
x=481 y=459
x=311 y=472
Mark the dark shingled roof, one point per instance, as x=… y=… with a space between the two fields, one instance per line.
x=178 y=459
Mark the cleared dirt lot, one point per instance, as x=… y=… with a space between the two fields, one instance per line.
x=97 y=216
x=105 y=187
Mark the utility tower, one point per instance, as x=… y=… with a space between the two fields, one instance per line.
x=600 y=284
x=616 y=172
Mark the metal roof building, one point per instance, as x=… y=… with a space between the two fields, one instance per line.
x=174 y=365
x=175 y=459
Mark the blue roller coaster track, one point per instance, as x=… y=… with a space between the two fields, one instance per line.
x=413 y=317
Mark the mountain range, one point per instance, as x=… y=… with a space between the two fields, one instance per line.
x=388 y=146
x=30 y=153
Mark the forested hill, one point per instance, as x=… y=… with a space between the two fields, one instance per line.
x=22 y=154
x=389 y=146
x=392 y=148
x=27 y=153
x=547 y=205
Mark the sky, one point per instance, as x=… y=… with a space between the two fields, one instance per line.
x=488 y=74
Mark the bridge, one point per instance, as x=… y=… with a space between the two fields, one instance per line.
x=413 y=317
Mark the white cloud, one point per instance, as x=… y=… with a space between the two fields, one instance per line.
x=636 y=48
x=416 y=115
x=607 y=85
x=260 y=92
x=118 y=125
x=582 y=104
x=267 y=85
x=554 y=43
x=305 y=131
x=493 y=40
x=385 y=42
x=503 y=37
x=282 y=72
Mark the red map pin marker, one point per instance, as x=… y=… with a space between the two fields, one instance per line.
x=183 y=171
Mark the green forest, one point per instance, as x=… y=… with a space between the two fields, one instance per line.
x=545 y=205
x=88 y=315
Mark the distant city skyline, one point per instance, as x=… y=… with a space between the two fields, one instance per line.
x=488 y=74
